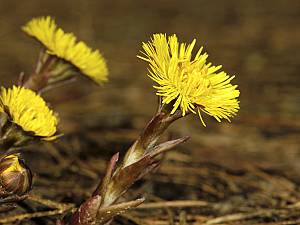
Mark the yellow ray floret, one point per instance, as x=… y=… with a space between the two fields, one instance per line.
x=64 y=45
x=190 y=84
x=28 y=110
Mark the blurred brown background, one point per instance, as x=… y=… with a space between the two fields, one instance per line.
x=258 y=41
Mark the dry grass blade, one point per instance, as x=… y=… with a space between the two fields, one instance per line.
x=174 y=204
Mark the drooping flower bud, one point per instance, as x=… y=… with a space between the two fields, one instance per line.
x=15 y=176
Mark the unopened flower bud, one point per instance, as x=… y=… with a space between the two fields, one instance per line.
x=15 y=176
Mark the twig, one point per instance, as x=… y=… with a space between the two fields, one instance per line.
x=134 y=219
x=173 y=204
x=182 y=218
x=241 y=216
x=50 y=203
x=25 y=216
x=59 y=208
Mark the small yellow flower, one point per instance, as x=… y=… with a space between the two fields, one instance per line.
x=28 y=110
x=65 y=46
x=191 y=85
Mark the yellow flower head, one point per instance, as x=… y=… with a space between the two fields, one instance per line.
x=189 y=84
x=65 y=46
x=28 y=110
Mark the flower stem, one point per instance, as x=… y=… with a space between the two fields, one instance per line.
x=39 y=79
x=149 y=137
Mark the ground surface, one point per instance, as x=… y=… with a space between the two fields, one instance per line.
x=246 y=172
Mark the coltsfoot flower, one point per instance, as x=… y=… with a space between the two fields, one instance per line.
x=29 y=111
x=15 y=176
x=190 y=84
x=65 y=46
